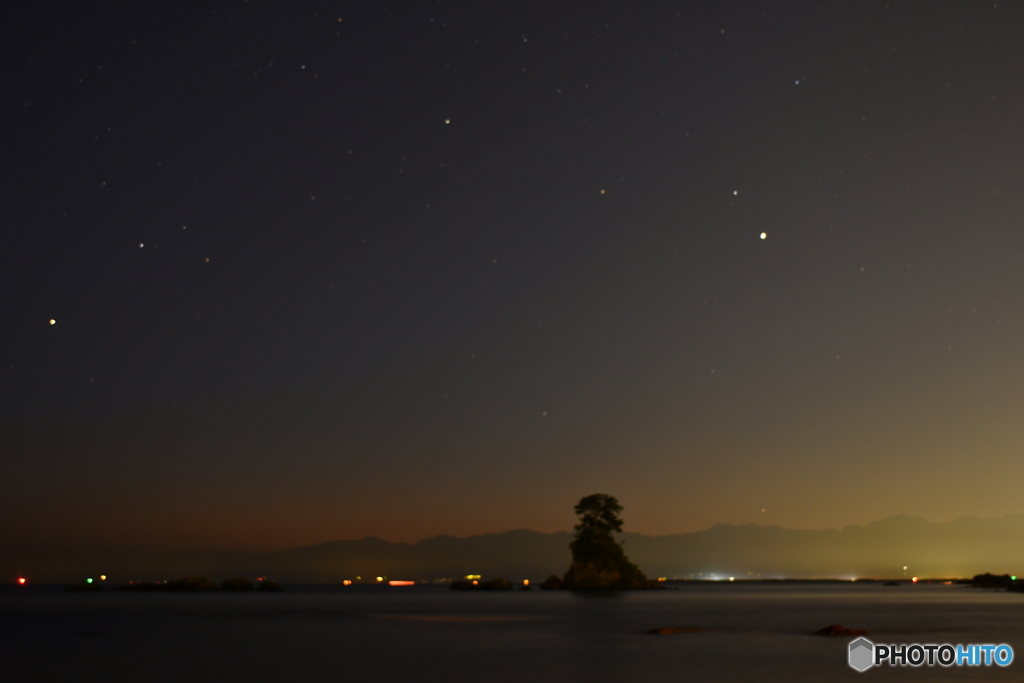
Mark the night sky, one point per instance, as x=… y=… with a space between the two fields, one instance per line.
x=280 y=273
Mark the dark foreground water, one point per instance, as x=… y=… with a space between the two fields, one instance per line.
x=753 y=632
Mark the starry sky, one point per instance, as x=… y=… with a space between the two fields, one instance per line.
x=280 y=273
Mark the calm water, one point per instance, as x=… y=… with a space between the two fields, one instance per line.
x=754 y=632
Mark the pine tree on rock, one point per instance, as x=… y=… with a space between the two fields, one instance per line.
x=598 y=560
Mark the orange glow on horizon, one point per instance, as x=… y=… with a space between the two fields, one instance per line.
x=346 y=582
x=404 y=583
x=21 y=581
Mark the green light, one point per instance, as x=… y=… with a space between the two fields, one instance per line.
x=1013 y=578
x=88 y=580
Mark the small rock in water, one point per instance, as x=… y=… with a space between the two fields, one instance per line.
x=840 y=630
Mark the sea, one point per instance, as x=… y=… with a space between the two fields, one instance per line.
x=734 y=631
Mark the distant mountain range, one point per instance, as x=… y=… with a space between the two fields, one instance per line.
x=961 y=547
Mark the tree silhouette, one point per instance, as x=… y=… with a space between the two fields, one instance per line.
x=599 y=513
x=598 y=560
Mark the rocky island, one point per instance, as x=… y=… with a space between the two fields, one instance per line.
x=598 y=560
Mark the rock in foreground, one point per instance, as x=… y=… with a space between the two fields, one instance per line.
x=840 y=630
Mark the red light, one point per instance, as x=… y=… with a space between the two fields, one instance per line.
x=21 y=581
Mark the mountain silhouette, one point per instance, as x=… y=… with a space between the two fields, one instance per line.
x=961 y=547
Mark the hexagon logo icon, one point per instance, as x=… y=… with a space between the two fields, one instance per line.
x=862 y=654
